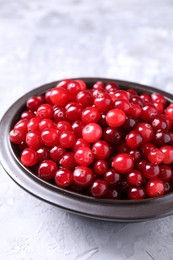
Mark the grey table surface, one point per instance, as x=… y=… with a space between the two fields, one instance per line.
x=43 y=41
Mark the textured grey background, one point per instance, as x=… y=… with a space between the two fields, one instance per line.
x=42 y=41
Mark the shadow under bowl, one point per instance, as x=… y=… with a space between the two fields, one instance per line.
x=105 y=209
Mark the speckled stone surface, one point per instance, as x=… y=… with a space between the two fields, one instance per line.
x=42 y=41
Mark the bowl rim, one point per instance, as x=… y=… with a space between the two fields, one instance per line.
x=106 y=209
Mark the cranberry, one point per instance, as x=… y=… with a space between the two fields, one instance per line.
x=100 y=167
x=63 y=126
x=85 y=98
x=17 y=136
x=168 y=187
x=80 y=142
x=103 y=102
x=140 y=164
x=59 y=114
x=162 y=138
x=82 y=176
x=50 y=137
x=59 y=96
x=166 y=172
x=134 y=139
x=33 y=124
x=136 y=154
x=73 y=89
x=146 y=131
x=63 y=83
x=159 y=123
x=98 y=85
x=112 y=135
x=56 y=152
x=99 y=188
x=91 y=132
x=27 y=114
x=22 y=125
x=129 y=123
x=135 y=110
x=136 y=193
x=84 y=156
x=169 y=113
x=151 y=171
x=33 y=140
x=77 y=128
x=123 y=163
x=33 y=103
x=91 y=115
x=45 y=111
x=115 y=117
x=43 y=153
x=63 y=177
x=74 y=112
x=112 y=177
x=111 y=86
x=149 y=112
x=113 y=193
x=145 y=98
x=68 y=161
x=156 y=97
x=155 y=188
x=122 y=104
x=168 y=154
x=134 y=178
x=136 y=100
x=121 y=94
x=155 y=156
x=81 y=83
x=101 y=150
x=67 y=139
x=29 y=157
x=47 y=170
x=146 y=149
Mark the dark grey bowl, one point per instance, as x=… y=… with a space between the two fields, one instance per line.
x=112 y=210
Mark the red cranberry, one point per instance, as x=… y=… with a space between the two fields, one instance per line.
x=33 y=103
x=67 y=139
x=85 y=98
x=168 y=154
x=50 y=137
x=112 y=135
x=29 y=157
x=91 y=115
x=84 y=156
x=166 y=172
x=59 y=114
x=17 y=136
x=155 y=188
x=146 y=131
x=115 y=117
x=162 y=138
x=73 y=88
x=151 y=171
x=63 y=177
x=134 y=139
x=82 y=176
x=112 y=177
x=56 y=153
x=80 y=142
x=103 y=102
x=101 y=150
x=45 y=111
x=27 y=114
x=47 y=170
x=156 y=97
x=43 y=153
x=122 y=104
x=136 y=193
x=33 y=140
x=123 y=163
x=77 y=128
x=91 y=132
x=134 y=178
x=59 y=96
x=99 y=188
x=155 y=156
x=63 y=126
x=68 y=161
x=100 y=167
x=149 y=112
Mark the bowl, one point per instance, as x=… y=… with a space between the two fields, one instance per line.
x=105 y=209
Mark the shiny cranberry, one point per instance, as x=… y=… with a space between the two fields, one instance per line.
x=136 y=154
x=135 y=111
x=146 y=149
x=122 y=104
x=50 y=137
x=146 y=131
x=100 y=167
x=159 y=123
x=123 y=163
x=136 y=193
x=112 y=135
x=63 y=177
x=73 y=89
x=80 y=142
x=134 y=178
x=140 y=164
x=169 y=113
x=151 y=171
x=47 y=170
x=159 y=107
x=121 y=94
x=74 y=112
x=162 y=138
x=63 y=83
x=33 y=140
x=59 y=114
x=99 y=188
x=134 y=139
x=43 y=153
x=155 y=156
x=33 y=103
x=129 y=123
x=102 y=122
x=68 y=161
x=145 y=98
x=136 y=100
x=155 y=188
x=91 y=115
x=115 y=117
x=17 y=136
x=113 y=193
x=168 y=154
x=156 y=97
x=56 y=152
x=22 y=125
x=166 y=172
x=84 y=156
x=111 y=86
x=98 y=85
x=33 y=124
x=91 y=132
x=59 y=96
x=149 y=112
x=101 y=150
x=81 y=83
x=45 y=124
x=29 y=157
x=82 y=176
x=85 y=98
x=112 y=177
x=63 y=126
x=45 y=111
x=103 y=102
x=67 y=139
x=28 y=114
x=77 y=127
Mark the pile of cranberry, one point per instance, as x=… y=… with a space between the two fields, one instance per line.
x=104 y=141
